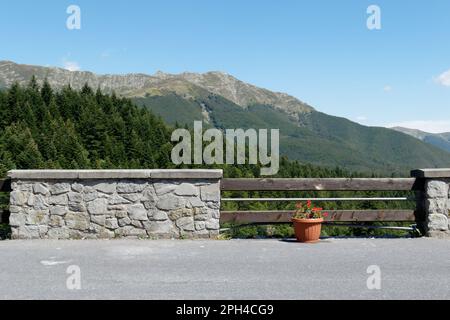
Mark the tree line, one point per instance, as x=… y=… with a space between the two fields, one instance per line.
x=70 y=129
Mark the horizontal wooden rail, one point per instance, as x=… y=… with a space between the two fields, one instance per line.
x=245 y=217
x=5 y=185
x=315 y=199
x=321 y=184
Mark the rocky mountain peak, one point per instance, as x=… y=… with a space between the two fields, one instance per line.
x=216 y=82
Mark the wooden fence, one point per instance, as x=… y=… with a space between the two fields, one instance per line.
x=321 y=184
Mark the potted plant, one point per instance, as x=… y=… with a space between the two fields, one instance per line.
x=307 y=222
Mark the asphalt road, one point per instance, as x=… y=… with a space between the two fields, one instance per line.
x=234 y=269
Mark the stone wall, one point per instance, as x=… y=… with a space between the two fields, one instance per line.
x=435 y=201
x=85 y=204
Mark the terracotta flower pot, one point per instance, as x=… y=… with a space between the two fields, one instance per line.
x=307 y=230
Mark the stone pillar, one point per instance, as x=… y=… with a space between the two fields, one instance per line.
x=94 y=204
x=435 y=201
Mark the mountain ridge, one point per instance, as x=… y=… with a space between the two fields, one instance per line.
x=132 y=84
x=222 y=101
x=440 y=140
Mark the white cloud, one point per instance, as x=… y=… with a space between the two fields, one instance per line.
x=105 y=54
x=387 y=89
x=361 y=118
x=432 y=126
x=444 y=79
x=71 y=65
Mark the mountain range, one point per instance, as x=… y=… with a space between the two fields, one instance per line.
x=222 y=101
x=440 y=140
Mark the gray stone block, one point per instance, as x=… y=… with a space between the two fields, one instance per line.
x=18 y=198
x=124 y=222
x=132 y=197
x=56 y=221
x=162 y=188
x=170 y=202
x=436 y=189
x=116 y=199
x=212 y=224
x=130 y=187
x=160 y=227
x=186 y=189
x=158 y=215
x=40 y=188
x=137 y=212
x=28 y=232
x=436 y=205
x=195 y=202
x=58 y=233
x=77 y=187
x=77 y=221
x=17 y=219
x=89 y=194
x=111 y=223
x=58 y=210
x=437 y=222
x=104 y=187
x=200 y=225
x=210 y=192
x=99 y=219
x=37 y=217
x=59 y=188
x=60 y=200
x=98 y=206
x=186 y=224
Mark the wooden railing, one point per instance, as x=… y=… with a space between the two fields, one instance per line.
x=321 y=184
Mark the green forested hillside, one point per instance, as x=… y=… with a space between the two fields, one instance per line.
x=40 y=128
x=43 y=128
x=377 y=146
x=440 y=140
x=312 y=137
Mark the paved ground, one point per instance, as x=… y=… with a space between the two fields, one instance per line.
x=236 y=269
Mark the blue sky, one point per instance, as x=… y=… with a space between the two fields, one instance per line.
x=319 y=51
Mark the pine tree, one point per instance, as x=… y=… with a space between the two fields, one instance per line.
x=46 y=92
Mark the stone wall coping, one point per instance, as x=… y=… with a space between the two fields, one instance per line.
x=431 y=173
x=116 y=174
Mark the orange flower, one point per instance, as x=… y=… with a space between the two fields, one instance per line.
x=308 y=203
